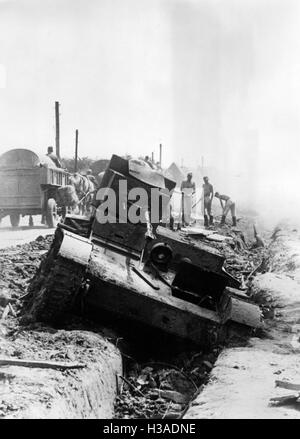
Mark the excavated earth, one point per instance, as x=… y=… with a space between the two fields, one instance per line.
x=262 y=378
x=27 y=392
x=122 y=377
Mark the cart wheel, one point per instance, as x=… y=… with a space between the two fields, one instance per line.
x=51 y=214
x=15 y=219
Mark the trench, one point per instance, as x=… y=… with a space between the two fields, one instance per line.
x=130 y=373
x=161 y=374
x=162 y=379
x=164 y=375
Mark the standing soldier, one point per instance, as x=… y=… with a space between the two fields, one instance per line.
x=188 y=189
x=228 y=205
x=208 y=195
x=53 y=157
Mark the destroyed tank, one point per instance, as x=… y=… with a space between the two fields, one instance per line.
x=140 y=272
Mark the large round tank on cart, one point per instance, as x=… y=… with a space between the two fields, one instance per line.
x=24 y=159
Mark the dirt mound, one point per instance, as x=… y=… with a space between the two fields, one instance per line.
x=53 y=393
x=18 y=264
x=46 y=393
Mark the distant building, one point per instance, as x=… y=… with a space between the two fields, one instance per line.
x=175 y=173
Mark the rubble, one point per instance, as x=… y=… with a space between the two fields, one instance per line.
x=162 y=390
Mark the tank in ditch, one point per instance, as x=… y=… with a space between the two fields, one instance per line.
x=138 y=271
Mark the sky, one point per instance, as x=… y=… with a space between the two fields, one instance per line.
x=218 y=79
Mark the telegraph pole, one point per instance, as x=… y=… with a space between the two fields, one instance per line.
x=76 y=151
x=160 y=154
x=57 y=140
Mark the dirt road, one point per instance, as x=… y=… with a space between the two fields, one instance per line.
x=10 y=236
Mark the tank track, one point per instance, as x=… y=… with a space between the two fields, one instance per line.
x=54 y=287
x=59 y=291
x=46 y=264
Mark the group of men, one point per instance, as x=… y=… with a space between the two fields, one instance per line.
x=188 y=189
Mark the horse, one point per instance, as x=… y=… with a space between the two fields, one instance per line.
x=84 y=188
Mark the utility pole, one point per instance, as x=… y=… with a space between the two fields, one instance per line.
x=152 y=156
x=76 y=151
x=57 y=144
x=160 y=154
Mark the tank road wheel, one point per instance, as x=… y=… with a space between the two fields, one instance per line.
x=15 y=219
x=51 y=213
x=58 y=294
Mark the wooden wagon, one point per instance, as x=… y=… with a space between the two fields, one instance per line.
x=28 y=186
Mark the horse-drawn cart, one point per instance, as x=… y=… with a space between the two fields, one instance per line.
x=29 y=185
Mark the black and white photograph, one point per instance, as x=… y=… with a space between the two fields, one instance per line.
x=149 y=216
